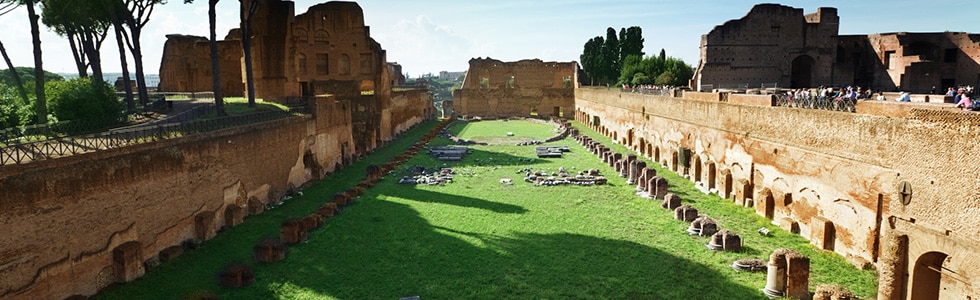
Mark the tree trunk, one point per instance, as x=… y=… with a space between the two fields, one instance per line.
x=246 y=20
x=138 y=61
x=219 y=104
x=41 y=105
x=92 y=45
x=77 y=54
x=127 y=86
x=16 y=76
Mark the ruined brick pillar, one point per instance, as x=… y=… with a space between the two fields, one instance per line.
x=269 y=250
x=797 y=276
x=660 y=186
x=236 y=275
x=616 y=157
x=127 y=261
x=255 y=206
x=635 y=171
x=685 y=213
x=204 y=225
x=671 y=202
x=293 y=231
x=234 y=215
x=788 y=275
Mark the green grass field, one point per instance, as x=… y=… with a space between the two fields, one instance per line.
x=476 y=238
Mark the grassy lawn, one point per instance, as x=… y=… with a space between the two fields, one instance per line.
x=476 y=238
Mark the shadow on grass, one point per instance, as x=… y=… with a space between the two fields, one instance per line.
x=410 y=193
x=399 y=253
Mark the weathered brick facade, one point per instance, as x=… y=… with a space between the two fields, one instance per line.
x=493 y=88
x=779 y=46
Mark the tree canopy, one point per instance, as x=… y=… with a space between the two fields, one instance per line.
x=659 y=70
x=602 y=58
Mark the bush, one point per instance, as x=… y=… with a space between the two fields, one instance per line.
x=83 y=102
x=13 y=111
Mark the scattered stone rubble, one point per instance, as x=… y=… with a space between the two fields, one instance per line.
x=562 y=177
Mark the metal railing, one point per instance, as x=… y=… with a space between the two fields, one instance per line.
x=21 y=153
x=817 y=102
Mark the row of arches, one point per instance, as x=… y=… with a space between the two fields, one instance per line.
x=922 y=275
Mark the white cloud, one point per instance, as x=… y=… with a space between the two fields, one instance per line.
x=420 y=45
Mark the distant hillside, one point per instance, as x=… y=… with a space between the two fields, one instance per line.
x=152 y=80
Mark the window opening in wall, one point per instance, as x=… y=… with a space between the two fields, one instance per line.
x=829 y=236
x=365 y=63
x=561 y=112
x=344 y=64
x=888 y=59
x=321 y=38
x=567 y=81
x=484 y=83
x=949 y=55
x=301 y=36
x=510 y=81
x=684 y=157
x=534 y=111
x=302 y=62
x=322 y=64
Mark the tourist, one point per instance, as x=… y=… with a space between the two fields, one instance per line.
x=965 y=102
x=959 y=94
x=951 y=92
x=904 y=97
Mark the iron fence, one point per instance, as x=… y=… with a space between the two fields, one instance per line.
x=26 y=152
x=816 y=102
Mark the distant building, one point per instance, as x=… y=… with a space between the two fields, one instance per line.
x=779 y=46
x=444 y=75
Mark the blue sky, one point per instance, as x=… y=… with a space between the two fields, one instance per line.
x=433 y=36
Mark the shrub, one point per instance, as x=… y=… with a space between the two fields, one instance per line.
x=83 y=102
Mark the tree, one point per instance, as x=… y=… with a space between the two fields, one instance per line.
x=40 y=104
x=117 y=14
x=609 y=60
x=590 y=58
x=16 y=77
x=219 y=103
x=631 y=42
x=135 y=20
x=85 y=26
x=247 y=11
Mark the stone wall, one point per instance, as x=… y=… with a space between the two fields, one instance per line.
x=186 y=65
x=835 y=178
x=775 y=44
x=493 y=88
x=74 y=225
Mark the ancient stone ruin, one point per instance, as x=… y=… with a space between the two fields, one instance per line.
x=526 y=88
x=788 y=275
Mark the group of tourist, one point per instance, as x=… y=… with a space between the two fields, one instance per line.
x=827 y=93
x=646 y=88
x=963 y=97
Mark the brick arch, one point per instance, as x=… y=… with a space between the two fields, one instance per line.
x=926 y=275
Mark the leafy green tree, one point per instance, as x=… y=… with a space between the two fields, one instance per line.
x=84 y=101
x=590 y=58
x=32 y=17
x=609 y=60
x=136 y=17
x=85 y=26
x=660 y=70
x=26 y=74
x=631 y=42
